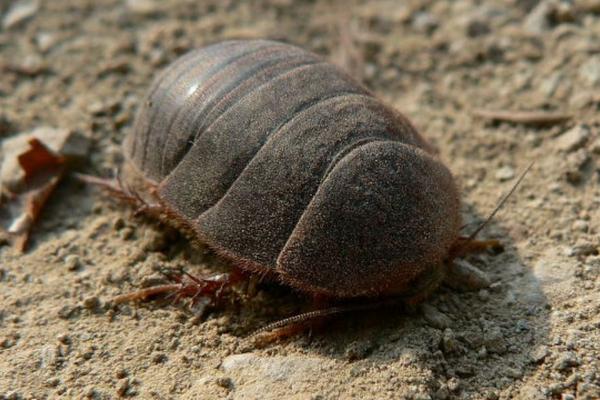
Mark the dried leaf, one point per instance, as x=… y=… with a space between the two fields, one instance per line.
x=43 y=170
x=39 y=159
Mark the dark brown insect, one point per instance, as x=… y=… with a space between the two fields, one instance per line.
x=286 y=166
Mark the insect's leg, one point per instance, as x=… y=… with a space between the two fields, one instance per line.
x=144 y=294
x=116 y=188
x=425 y=285
x=184 y=285
x=462 y=275
x=296 y=324
x=465 y=245
x=316 y=319
x=112 y=186
x=264 y=338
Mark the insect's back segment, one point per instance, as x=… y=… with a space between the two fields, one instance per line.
x=240 y=135
x=385 y=214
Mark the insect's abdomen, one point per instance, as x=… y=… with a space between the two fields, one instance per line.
x=240 y=135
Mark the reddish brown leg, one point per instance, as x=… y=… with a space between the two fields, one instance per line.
x=313 y=320
x=185 y=285
x=465 y=245
x=264 y=338
x=294 y=325
x=116 y=188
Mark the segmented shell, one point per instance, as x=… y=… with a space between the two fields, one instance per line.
x=282 y=162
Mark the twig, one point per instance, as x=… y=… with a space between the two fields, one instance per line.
x=536 y=118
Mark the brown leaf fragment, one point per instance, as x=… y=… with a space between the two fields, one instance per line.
x=535 y=118
x=43 y=170
x=39 y=159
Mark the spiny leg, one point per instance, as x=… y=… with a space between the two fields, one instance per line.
x=314 y=320
x=462 y=275
x=184 y=285
x=117 y=188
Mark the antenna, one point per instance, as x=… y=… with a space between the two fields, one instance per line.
x=500 y=204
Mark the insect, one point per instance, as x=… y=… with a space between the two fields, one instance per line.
x=287 y=167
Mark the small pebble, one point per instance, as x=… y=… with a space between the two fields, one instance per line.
x=91 y=393
x=566 y=361
x=453 y=384
x=477 y=28
x=582 y=248
x=143 y=7
x=19 y=13
x=121 y=373
x=68 y=311
x=494 y=341
x=225 y=382
x=358 y=350
x=539 y=354
x=153 y=240
x=159 y=358
x=63 y=338
x=505 y=173
x=541 y=18
x=123 y=387
x=72 y=262
x=573 y=139
x=424 y=22
x=91 y=303
x=118 y=224
x=580 y=225
x=482 y=353
x=53 y=382
x=589 y=71
x=435 y=318
x=449 y=342
x=514 y=373
x=45 y=41
x=483 y=295
x=126 y=233
x=13 y=395
x=442 y=393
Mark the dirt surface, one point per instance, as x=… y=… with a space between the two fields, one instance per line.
x=533 y=334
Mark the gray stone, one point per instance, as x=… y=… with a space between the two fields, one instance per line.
x=529 y=391
x=72 y=262
x=19 y=13
x=435 y=318
x=477 y=28
x=539 y=354
x=566 y=361
x=424 y=22
x=143 y=7
x=589 y=71
x=358 y=350
x=573 y=139
x=505 y=173
x=271 y=370
x=582 y=248
x=494 y=341
x=91 y=303
x=547 y=14
x=454 y=384
x=449 y=343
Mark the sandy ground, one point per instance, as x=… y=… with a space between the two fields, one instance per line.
x=533 y=334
